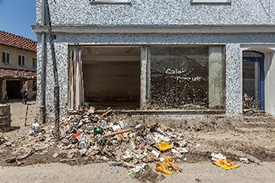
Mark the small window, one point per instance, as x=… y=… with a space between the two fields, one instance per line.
x=21 y=60
x=6 y=58
x=210 y=1
x=111 y=1
x=34 y=62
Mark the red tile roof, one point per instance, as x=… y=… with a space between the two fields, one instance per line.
x=9 y=39
x=9 y=73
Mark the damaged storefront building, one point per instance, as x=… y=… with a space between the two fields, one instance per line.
x=179 y=55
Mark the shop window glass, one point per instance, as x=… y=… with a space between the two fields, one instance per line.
x=187 y=77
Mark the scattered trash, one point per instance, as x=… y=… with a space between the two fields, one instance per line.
x=83 y=143
x=98 y=130
x=170 y=162
x=117 y=164
x=91 y=110
x=138 y=168
x=76 y=135
x=244 y=160
x=226 y=164
x=221 y=161
x=164 y=146
x=218 y=156
x=55 y=155
x=162 y=168
x=35 y=128
x=250 y=159
x=156 y=153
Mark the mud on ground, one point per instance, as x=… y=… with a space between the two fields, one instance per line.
x=252 y=135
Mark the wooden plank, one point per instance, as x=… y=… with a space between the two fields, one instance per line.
x=70 y=80
x=78 y=79
x=143 y=80
x=118 y=132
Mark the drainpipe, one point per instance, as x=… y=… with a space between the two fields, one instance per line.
x=43 y=67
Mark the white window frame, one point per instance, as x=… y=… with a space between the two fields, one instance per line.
x=6 y=60
x=111 y=1
x=21 y=61
x=211 y=1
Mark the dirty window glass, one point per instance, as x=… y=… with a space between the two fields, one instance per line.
x=180 y=78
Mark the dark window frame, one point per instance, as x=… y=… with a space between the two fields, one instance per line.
x=34 y=63
x=6 y=57
x=21 y=60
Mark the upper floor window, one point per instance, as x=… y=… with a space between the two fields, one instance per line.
x=111 y=1
x=6 y=58
x=34 y=62
x=21 y=60
x=211 y=1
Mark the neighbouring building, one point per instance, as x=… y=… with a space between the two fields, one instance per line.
x=18 y=65
x=177 y=55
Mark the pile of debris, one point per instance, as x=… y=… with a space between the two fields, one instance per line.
x=2 y=139
x=107 y=138
x=112 y=138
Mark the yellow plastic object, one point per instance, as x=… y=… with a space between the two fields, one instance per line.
x=162 y=168
x=164 y=146
x=170 y=162
x=226 y=164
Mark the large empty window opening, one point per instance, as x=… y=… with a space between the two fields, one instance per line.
x=111 y=76
x=187 y=77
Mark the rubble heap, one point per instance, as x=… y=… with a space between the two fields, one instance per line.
x=104 y=138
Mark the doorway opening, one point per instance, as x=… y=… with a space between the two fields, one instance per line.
x=111 y=76
x=253 y=80
x=13 y=89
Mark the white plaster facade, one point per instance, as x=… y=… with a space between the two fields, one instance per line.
x=177 y=22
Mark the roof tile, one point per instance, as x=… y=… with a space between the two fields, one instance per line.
x=13 y=40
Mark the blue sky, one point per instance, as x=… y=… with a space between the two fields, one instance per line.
x=17 y=16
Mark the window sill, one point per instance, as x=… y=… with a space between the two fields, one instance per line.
x=8 y=64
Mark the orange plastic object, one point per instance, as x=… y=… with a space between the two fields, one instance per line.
x=76 y=135
x=226 y=164
x=170 y=162
x=162 y=168
x=164 y=146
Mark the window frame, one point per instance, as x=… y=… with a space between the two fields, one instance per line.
x=6 y=58
x=34 y=63
x=22 y=60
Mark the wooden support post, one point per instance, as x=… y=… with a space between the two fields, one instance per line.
x=26 y=118
x=143 y=78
